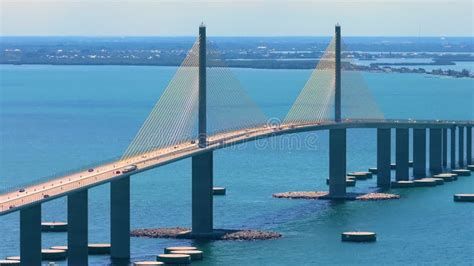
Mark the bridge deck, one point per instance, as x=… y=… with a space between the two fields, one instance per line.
x=61 y=186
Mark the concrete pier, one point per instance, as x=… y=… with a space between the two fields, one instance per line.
x=445 y=148
x=401 y=154
x=30 y=235
x=435 y=151
x=383 y=157
x=453 y=148
x=337 y=163
x=461 y=147
x=419 y=153
x=120 y=220
x=78 y=228
x=202 y=202
x=469 y=145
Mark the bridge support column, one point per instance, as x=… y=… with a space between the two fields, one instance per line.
x=383 y=158
x=77 y=228
x=435 y=151
x=445 y=148
x=461 y=147
x=30 y=235
x=401 y=152
x=453 y=148
x=469 y=145
x=419 y=153
x=337 y=163
x=202 y=203
x=120 y=220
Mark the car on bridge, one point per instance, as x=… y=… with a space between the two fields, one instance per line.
x=129 y=168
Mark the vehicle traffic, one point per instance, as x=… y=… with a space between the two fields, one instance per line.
x=129 y=168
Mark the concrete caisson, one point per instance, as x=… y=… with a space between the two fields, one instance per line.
x=174 y=258
x=194 y=254
x=9 y=262
x=402 y=184
x=464 y=197
x=360 y=175
x=461 y=172
x=359 y=236
x=99 y=248
x=59 y=248
x=425 y=182
x=218 y=191
x=54 y=226
x=53 y=254
x=147 y=263
x=439 y=181
x=13 y=258
x=447 y=177
x=179 y=248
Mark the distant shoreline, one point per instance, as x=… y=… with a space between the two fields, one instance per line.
x=375 y=68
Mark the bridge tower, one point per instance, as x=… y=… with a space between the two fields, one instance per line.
x=202 y=164
x=202 y=87
x=337 y=96
x=337 y=137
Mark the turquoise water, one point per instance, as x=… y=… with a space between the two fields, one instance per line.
x=56 y=118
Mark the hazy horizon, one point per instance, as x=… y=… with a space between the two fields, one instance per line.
x=257 y=18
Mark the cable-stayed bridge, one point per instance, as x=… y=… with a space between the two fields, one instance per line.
x=204 y=108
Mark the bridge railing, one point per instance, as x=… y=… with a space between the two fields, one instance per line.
x=85 y=167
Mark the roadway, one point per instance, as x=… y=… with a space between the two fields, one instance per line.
x=61 y=186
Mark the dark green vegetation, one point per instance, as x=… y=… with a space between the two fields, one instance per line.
x=241 y=52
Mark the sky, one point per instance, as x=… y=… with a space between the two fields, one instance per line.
x=236 y=17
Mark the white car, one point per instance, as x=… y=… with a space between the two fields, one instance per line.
x=129 y=168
